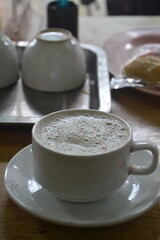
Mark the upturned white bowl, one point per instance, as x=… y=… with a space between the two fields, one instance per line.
x=53 y=61
x=8 y=62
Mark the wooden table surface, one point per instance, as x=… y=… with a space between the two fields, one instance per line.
x=141 y=110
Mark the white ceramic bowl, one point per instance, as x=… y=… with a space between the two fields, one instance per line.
x=53 y=61
x=8 y=62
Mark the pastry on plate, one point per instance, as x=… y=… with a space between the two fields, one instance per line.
x=145 y=67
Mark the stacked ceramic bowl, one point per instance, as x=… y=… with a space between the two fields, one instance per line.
x=8 y=62
x=53 y=62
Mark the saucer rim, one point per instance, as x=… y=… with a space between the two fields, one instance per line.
x=121 y=219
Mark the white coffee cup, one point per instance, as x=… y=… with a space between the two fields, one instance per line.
x=83 y=155
x=8 y=62
x=53 y=62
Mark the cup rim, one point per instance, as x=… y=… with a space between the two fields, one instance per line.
x=67 y=34
x=84 y=155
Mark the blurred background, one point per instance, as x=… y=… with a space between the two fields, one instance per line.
x=15 y=14
x=18 y=16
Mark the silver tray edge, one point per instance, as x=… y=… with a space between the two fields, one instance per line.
x=103 y=85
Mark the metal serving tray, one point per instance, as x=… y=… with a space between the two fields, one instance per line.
x=22 y=105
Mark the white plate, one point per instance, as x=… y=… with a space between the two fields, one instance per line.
x=135 y=197
x=123 y=46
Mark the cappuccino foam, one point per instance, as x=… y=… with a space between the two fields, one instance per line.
x=83 y=133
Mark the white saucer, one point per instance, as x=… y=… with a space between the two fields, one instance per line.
x=136 y=196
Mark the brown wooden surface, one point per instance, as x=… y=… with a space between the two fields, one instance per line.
x=142 y=111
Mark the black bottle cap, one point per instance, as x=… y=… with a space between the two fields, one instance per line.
x=63 y=17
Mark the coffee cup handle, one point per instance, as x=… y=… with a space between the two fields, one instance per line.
x=144 y=170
